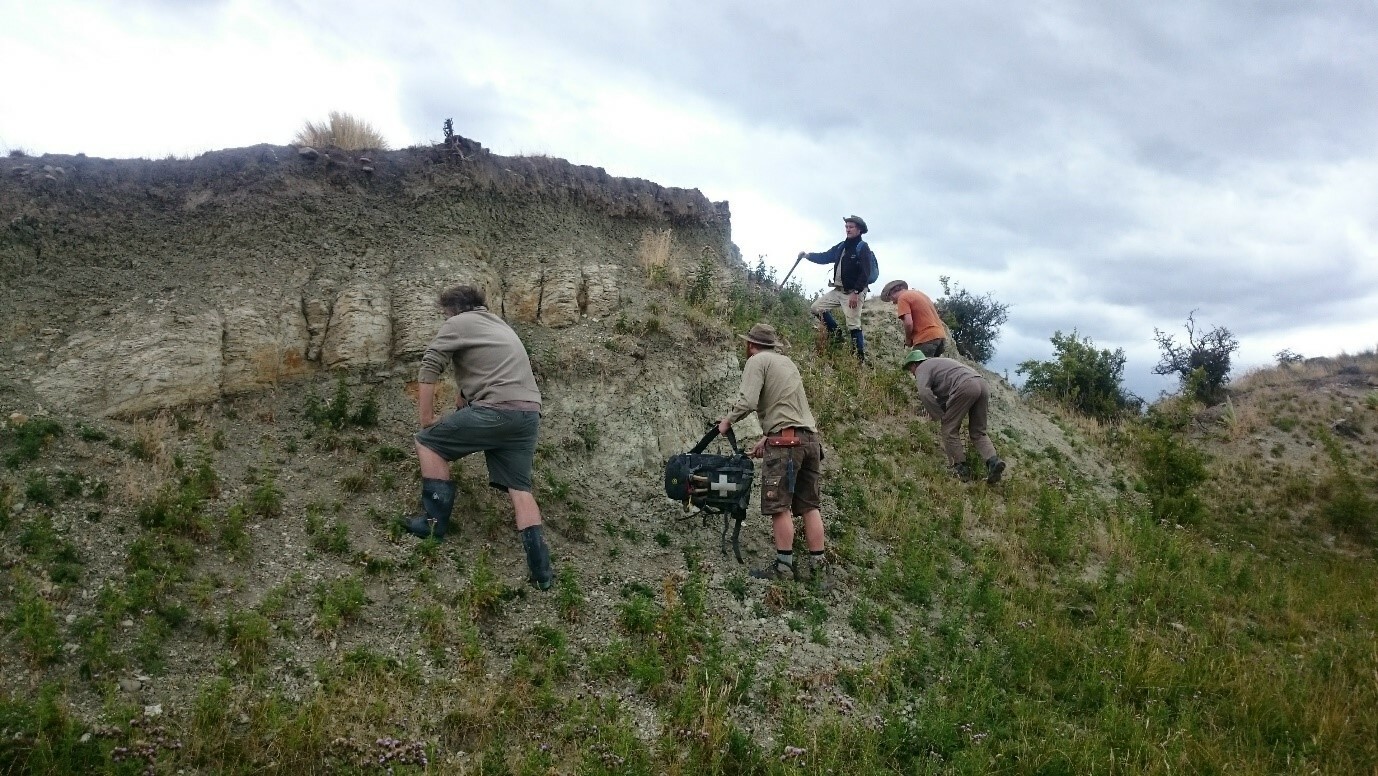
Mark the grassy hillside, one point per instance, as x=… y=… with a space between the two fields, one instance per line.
x=219 y=590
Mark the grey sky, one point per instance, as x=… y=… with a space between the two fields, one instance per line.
x=1107 y=167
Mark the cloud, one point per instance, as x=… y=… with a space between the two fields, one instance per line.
x=1100 y=167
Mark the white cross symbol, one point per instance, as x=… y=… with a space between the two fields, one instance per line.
x=722 y=487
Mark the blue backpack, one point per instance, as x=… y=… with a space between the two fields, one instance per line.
x=873 y=268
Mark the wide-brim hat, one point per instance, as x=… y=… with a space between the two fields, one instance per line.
x=859 y=221
x=891 y=288
x=762 y=334
x=915 y=357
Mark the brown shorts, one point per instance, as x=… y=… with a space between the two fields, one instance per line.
x=790 y=476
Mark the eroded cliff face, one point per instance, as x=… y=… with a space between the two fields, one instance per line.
x=131 y=286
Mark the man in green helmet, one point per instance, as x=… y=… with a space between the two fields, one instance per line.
x=952 y=391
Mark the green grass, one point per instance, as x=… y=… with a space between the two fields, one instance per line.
x=25 y=443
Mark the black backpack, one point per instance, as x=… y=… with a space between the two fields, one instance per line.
x=716 y=484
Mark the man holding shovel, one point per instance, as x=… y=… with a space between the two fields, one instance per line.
x=854 y=269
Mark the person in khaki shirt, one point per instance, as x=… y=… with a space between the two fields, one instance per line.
x=792 y=452
x=497 y=412
x=952 y=392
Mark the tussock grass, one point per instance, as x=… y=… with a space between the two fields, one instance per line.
x=343 y=131
x=653 y=255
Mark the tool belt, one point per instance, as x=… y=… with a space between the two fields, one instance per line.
x=785 y=437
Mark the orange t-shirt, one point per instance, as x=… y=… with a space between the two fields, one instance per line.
x=927 y=324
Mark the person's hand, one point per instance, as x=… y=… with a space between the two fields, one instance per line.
x=724 y=426
x=853 y=300
x=802 y=254
x=759 y=450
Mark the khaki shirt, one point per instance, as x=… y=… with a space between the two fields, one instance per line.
x=773 y=389
x=937 y=378
x=490 y=363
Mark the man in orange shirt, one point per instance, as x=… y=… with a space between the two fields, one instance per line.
x=923 y=328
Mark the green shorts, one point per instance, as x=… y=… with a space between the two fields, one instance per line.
x=790 y=476
x=507 y=439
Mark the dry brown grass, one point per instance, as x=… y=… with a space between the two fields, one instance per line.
x=342 y=131
x=653 y=254
x=1311 y=369
x=139 y=479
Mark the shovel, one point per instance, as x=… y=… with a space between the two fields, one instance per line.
x=791 y=272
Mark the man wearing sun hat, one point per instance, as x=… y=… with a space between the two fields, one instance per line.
x=854 y=266
x=952 y=392
x=923 y=327
x=792 y=452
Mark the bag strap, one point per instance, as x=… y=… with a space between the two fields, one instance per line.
x=713 y=432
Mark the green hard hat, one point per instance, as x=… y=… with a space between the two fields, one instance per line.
x=915 y=356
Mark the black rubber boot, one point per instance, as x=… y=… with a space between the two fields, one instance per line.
x=859 y=342
x=962 y=470
x=994 y=469
x=537 y=557
x=437 y=502
x=829 y=322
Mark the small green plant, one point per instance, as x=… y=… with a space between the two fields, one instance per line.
x=335 y=413
x=569 y=598
x=388 y=454
x=266 y=498
x=69 y=484
x=338 y=602
x=29 y=439
x=35 y=626
x=700 y=292
x=179 y=507
x=247 y=633
x=334 y=540
x=38 y=490
x=485 y=593
x=587 y=432
x=638 y=614
x=233 y=534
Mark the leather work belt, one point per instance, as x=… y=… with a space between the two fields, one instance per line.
x=787 y=437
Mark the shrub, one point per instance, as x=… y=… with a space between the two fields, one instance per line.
x=342 y=131
x=1288 y=357
x=1172 y=471
x=1202 y=363
x=1346 y=506
x=974 y=321
x=1081 y=377
x=335 y=413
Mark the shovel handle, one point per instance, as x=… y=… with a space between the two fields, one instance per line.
x=791 y=272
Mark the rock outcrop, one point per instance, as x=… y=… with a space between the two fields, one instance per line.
x=132 y=286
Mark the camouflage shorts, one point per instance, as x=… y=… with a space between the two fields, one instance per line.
x=790 y=477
